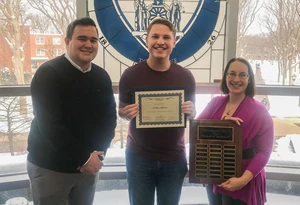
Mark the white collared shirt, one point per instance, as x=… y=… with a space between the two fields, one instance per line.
x=77 y=66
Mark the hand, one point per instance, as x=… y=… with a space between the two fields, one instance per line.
x=188 y=108
x=130 y=111
x=237 y=120
x=93 y=165
x=233 y=184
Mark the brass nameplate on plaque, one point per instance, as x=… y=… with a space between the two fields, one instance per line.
x=215 y=151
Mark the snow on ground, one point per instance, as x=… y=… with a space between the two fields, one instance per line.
x=284 y=155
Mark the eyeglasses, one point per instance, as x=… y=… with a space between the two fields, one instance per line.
x=242 y=75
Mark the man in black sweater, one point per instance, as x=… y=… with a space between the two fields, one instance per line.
x=74 y=121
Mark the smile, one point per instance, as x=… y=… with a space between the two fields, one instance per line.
x=160 y=48
x=85 y=51
x=236 y=85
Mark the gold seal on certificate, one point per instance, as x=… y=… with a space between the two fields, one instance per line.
x=160 y=108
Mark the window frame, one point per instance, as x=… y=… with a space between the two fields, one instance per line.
x=39 y=40
x=40 y=52
x=56 y=41
x=281 y=173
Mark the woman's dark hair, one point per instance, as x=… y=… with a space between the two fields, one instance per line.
x=251 y=88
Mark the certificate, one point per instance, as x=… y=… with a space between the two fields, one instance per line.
x=160 y=108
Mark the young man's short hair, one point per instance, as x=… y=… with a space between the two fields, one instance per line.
x=162 y=21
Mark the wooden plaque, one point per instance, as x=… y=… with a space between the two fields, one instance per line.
x=215 y=151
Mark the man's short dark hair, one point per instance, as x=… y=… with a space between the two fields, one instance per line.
x=251 y=88
x=85 y=21
x=162 y=21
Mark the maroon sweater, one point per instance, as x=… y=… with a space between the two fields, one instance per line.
x=156 y=143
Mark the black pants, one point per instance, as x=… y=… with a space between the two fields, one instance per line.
x=220 y=199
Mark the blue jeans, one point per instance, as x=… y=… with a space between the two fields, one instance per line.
x=145 y=175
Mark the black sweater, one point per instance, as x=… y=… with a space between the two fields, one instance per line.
x=74 y=115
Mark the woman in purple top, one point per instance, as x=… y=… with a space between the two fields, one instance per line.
x=257 y=133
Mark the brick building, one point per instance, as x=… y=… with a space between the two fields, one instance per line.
x=44 y=47
x=37 y=48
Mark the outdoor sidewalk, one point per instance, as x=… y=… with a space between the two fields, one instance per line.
x=191 y=195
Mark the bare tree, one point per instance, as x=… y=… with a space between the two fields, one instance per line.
x=12 y=123
x=59 y=12
x=257 y=47
x=7 y=77
x=11 y=20
x=282 y=20
x=247 y=13
x=39 y=24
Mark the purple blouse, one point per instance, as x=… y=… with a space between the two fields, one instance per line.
x=258 y=133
